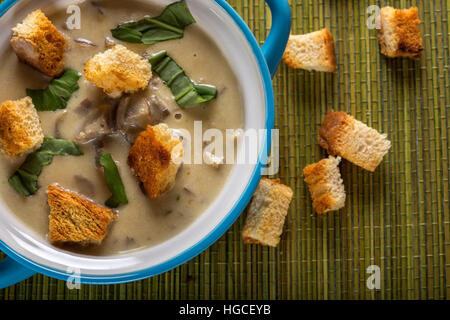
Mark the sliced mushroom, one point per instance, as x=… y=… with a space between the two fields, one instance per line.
x=139 y=114
x=111 y=110
x=99 y=124
x=122 y=122
x=129 y=116
x=84 y=108
x=158 y=110
x=135 y=113
x=85 y=42
x=85 y=185
x=95 y=129
x=121 y=113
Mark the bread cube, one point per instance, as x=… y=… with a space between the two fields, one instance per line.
x=155 y=158
x=343 y=135
x=399 y=33
x=38 y=43
x=118 y=70
x=325 y=185
x=75 y=219
x=312 y=51
x=20 y=127
x=267 y=213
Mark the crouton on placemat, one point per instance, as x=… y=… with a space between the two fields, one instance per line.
x=343 y=135
x=267 y=213
x=312 y=51
x=325 y=185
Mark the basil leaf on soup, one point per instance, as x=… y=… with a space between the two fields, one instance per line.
x=169 y=25
x=25 y=179
x=113 y=181
x=185 y=91
x=57 y=94
x=154 y=35
x=127 y=34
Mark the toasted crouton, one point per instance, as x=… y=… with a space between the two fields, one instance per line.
x=155 y=158
x=267 y=213
x=325 y=185
x=20 y=127
x=75 y=219
x=343 y=135
x=312 y=51
x=118 y=70
x=38 y=43
x=399 y=33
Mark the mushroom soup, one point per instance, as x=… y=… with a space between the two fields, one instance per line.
x=99 y=123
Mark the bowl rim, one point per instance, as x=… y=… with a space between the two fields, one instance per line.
x=226 y=222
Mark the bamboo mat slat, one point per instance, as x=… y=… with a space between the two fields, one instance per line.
x=397 y=218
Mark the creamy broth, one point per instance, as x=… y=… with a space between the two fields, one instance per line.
x=143 y=222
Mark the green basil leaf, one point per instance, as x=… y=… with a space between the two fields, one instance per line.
x=190 y=99
x=113 y=181
x=60 y=147
x=29 y=181
x=154 y=23
x=170 y=72
x=155 y=35
x=36 y=161
x=18 y=185
x=112 y=203
x=25 y=179
x=157 y=58
x=181 y=86
x=177 y=14
x=169 y=25
x=185 y=91
x=206 y=91
x=140 y=26
x=127 y=34
x=57 y=94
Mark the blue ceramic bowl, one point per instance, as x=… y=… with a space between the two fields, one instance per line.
x=28 y=253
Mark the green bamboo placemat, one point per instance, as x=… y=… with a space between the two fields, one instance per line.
x=397 y=218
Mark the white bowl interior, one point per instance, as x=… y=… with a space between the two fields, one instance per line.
x=220 y=26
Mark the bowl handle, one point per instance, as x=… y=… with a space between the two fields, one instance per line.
x=275 y=44
x=12 y=272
